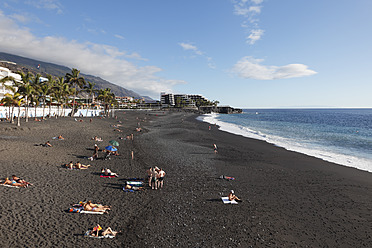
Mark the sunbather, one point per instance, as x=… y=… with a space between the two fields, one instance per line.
x=70 y=165
x=108 y=172
x=97 y=139
x=19 y=180
x=89 y=206
x=233 y=197
x=80 y=166
x=133 y=187
x=60 y=137
x=47 y=144
x=98 y=231
x=13 y=183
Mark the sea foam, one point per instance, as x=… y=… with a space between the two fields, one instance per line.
x=290 y=144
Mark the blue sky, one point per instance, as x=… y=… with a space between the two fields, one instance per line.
x=244 y=53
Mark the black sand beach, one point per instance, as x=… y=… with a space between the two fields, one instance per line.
x=289 y=199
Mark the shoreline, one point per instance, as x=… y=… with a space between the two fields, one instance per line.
x=289 y=199
x=361 y=163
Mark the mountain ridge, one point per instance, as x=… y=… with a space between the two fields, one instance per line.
x=44 y=68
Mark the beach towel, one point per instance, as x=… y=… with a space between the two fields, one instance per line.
x=99 y=237
x=227 y=178
x=225 y=200
x=107 y=176
x=10 y=186
x=82 y=211
x=92 y=212
x=135 y=183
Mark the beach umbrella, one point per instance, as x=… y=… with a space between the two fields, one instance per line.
x=114 y=142
x=111 y=148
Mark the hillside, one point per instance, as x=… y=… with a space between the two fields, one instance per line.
x=31 y=65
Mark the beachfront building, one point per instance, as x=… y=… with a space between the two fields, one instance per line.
x=167 y=100
x=124 y=101
x=5 y=72
x=182 y=100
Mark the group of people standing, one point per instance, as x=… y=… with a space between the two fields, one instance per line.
x=155 y=177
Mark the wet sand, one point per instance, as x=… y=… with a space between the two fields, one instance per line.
x=289 y=199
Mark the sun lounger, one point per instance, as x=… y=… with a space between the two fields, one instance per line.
x=226 y=200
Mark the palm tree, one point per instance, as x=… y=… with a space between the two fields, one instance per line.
x=10 y=98
x=91 y=92
x=45 y=90
x=18 y=100
x=75 y=81
x=26 y=89
x=106 y=96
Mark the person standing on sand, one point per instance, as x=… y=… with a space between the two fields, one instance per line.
x=95 y=154
x=161 y=175
x=149 y=175
x=154 y=177
x=215 y=148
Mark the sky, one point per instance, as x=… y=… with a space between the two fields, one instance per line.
x=243 y=53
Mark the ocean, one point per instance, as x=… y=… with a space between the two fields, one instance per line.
x=342 y=136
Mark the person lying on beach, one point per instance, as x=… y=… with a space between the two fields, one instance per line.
x=233 y=197
x=133 y=187
x=108 y=172
x=89 y=206
x=116 y=129
x=80 y=166
x=115 y=153
x=13 y=183
x=138 y=129
x=60 y=137
x=215 y=148
x=99 y=232
x=47 y=144
x=97 y=138
x=19 y=180
x=70 y=165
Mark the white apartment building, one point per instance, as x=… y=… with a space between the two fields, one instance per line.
x=5 y=72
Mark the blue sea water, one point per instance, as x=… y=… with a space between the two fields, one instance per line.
x=342 y=136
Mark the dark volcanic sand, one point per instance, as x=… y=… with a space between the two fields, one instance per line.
x=290 y=200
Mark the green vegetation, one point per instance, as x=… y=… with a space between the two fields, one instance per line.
x=61 y=91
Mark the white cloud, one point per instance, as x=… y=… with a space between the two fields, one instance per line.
x=190 y=47
x=119 y=36
x=249 y=10
x=100 y=60
x=257 y=1
x=255 y=35
x=256 y=9
x=54 y=5
x=249 y=67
